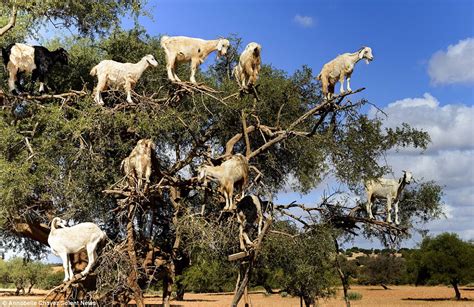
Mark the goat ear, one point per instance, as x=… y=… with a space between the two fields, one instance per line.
x=256 y=52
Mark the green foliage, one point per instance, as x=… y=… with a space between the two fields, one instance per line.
x=443 y=259
x=88 y=17
x=382 y=269
x=354 y=296
x=22 y=273
x=51 y=279
x=306 y=261
x=210 y=276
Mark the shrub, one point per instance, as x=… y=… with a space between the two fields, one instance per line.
x=51 y=280
x=354 y=296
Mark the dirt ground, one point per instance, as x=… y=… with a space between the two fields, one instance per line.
x=438 y=296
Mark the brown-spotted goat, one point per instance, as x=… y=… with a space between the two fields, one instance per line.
x=231 y=173
x=188 y=49
x=246 y=72
x=137 y=167
x=340 y=68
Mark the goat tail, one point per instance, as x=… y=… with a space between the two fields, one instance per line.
x=94 y=71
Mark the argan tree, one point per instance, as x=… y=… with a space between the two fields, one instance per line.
x=60 y=155
x=444 y=259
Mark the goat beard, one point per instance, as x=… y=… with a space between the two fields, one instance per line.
x=367 y=61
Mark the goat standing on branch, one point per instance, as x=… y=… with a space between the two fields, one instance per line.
x=340 y=68
x=36 y=60
x=71 y=240
x=246 y=72
x=137 y=167
x=234 y=171
x=187 y=49
x=115 y=74
x=388 y=189
x=250 y=209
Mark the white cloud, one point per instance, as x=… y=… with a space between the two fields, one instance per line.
x=454 y=65
x=450 y=126
x=449 y=160
x=304 y=21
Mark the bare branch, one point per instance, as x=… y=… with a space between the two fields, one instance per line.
x=11 y=22
x=246 y=136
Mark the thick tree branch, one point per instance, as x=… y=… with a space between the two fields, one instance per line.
x=246 y=136
x=11 y=22
x=229 y=147
x=326 y=106
x=35 y=231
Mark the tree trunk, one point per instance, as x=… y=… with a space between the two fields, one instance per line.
x=456 y=289
x=180 y=290
x=30 y=287
x=243 y=284
x=344 y=281
x=133 y=277
x=308 y=301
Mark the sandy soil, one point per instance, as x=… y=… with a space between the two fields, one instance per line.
x=371 y=296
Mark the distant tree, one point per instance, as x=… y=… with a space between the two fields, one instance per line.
x=209 y=275
x=17 y=274
x=307 y=261
x=444 y=259
x=35 y=272
x=22 y=273
x=382 y=269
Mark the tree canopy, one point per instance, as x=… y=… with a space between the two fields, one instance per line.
x=444 y=259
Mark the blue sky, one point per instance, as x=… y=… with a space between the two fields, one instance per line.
x=403 y=35
x=423 y=72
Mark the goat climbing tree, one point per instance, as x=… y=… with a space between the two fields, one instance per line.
x=60 y=156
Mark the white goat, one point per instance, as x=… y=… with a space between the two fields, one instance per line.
x=388 y=189
x=70 y=240
x=246 y=72
x=342 y=67
x=187 y=49
x=249 y=210
x=115 y=74
x=137 y=167
x=230 y=172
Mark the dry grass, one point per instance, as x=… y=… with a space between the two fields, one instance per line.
x=438 y=296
